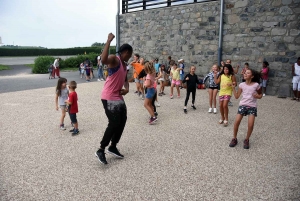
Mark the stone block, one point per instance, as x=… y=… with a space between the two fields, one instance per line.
x=245 y=51
x=229 y=37
x=290 y=54
x=258 y=29
x=286 y=2
x=241 y=4
x=294 y=32
x=270 y=24
x=284 y=91
x=278 y=31
x=276 y=3
x=285 y=10
x=233 y=19
x=259 y=38
x=289 y=39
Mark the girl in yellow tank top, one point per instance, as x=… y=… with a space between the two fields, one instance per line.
x=226 y=79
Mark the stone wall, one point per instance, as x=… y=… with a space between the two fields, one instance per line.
x=254 y=31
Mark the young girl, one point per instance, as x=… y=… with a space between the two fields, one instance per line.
x=61 y=95
x=175 y=80
x=251 y=91
x=161 y=79
x=226 y=78
x=264 y=76
x=192 y=81
x=149 y=84
x=81 y=70
x=213 y=88
x=246 y=67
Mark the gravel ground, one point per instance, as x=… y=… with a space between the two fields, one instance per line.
x=182 y=157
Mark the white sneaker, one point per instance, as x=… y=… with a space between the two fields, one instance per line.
x=157 y=104
x=210 y=110
x=264 y=94
x=215 y=110
x=98 y=80
x=62 y=128
x=101 y=79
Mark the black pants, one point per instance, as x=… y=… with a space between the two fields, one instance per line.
x=116 y=113
x=188 y=92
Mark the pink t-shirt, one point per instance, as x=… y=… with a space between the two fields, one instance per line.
x=265 y=76
x=151 y=77
x=114 y=82
x=247 y=93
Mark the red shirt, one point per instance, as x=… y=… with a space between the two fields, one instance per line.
x=73 y=108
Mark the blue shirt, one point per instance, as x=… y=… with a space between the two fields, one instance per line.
x=157 y=65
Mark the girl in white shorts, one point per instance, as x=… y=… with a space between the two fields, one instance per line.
x=296 y=80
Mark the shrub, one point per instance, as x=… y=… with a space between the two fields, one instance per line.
x=41 y=64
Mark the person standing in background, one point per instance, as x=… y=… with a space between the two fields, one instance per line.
x=56 y=68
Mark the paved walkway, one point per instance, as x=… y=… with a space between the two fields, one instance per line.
x=182 y=157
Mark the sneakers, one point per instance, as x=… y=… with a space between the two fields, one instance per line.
x=62 y=127
x=233 y=142
x=102 y=79
x=171 y=96
x=98 y=80
x=185 y=111
x=75 y=132
x=215 y=110
x=230 y=103
x=114 y=151
x=157 y=104
x=264 y=94
x=136 y=92
x=101 y=156
x=143 y=97
x=210 y=110
x=156 y=114
x=72 y=130
x=152 y=120
x=193 y=106
x=246 y=144
x=162 y=93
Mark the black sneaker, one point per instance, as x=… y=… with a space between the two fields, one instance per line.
x=101 y=156
x=114 y=151
x=193 y=106
x=72 y=130
x=233 y=142
x=185 y=111
x=75 y=132
x=156 y=114
x=246 y=144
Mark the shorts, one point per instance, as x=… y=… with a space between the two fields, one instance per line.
x=213 y=88
x=264 y=83
x=246 y=110
x=296 y=79
x=161 y=79
x=82 y=71
x=63 y=107
x=73 y=118
x=176 y=82
x=225 y=97
x=88 y=73
x=150 y=93
x=138 y=81
x=181 y=76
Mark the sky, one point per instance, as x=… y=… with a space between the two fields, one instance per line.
x=57 y=23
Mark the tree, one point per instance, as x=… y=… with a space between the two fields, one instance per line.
x=96 y=44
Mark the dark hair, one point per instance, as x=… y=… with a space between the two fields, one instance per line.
x=59 y=83
x=125 y=47
x=256 y=76
x=298 y=58
x=265 y=62
x=172 y=62
x=137 y=55
x=169 y=57
x=73 y=85
x=86 y=58
x=230 y=69
x=246 y=64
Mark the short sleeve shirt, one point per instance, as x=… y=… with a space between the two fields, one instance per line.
x=151 y=77
x=63 y=96
x=73 y=99
x=247 y=94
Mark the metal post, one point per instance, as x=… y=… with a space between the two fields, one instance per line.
x=221 y=32
x=169 y=3
x=144 y=5
x=118 y=28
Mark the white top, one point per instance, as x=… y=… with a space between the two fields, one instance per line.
x=56 y=63
x=297 y=69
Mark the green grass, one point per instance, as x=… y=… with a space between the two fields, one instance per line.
x=4 y=67
x=29 y=65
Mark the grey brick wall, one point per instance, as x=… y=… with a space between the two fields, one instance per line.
x=254 y=31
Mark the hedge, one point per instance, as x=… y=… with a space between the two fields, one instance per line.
x=51 y=52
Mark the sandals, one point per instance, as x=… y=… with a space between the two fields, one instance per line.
x=296 y=99
x=225 y=123
x=221 y=121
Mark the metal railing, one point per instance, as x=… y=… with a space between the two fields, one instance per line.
x=138 y=5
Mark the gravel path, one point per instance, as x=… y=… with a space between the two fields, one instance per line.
x=182 y=157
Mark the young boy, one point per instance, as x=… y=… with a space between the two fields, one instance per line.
x=73 y=107
x=181 y=67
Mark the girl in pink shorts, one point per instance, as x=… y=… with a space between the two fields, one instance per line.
x=175 y=80
x=226 y=79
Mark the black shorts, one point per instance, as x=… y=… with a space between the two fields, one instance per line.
x=246 y=110
x=213 y=88
x=73 y=118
